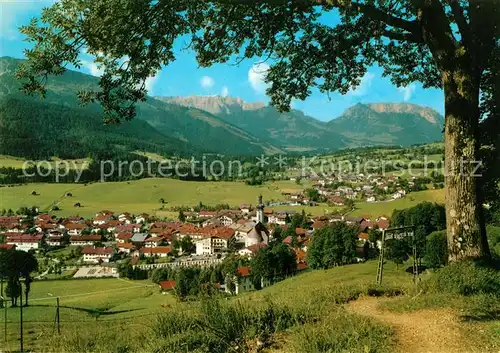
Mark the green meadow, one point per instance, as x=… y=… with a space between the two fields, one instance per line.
x=138 y=196
x=318 y=311
x=385 y=208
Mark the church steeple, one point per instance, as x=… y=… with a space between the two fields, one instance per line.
x=260 y=210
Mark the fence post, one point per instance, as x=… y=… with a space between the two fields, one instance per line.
x=57 y=316
x=21 y=318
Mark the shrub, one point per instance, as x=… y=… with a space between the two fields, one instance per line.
x=466 y=278
x=436 y=249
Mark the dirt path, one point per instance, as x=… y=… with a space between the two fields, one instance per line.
x=423 y=331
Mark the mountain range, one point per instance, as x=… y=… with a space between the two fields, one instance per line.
x=36 y=128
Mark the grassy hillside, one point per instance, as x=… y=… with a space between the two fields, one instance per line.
x=322 y=311
x=375 y=209
x=143 y=196
x=136 y=196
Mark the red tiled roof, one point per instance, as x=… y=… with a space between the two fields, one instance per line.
x=302 y=266
x=97 y=251
x=124 y=236
x=256 y=247
x=126 y=246
x=383 y=224
x=318 y=224
x=54 y=238
x=300 y=231
x=167 y=285
x=103 y=217
x=74 y=226
x=363 y=236
x=85 y=238
x=154 y=240
x=243 y=271
x=156 y=250
x=25 y=238
x=6 y=246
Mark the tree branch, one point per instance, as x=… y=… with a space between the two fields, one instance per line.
x=377 y=14
x=370 y=11
x=461 y=22
x=402 y=37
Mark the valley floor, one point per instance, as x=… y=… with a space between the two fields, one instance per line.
x=143 y=195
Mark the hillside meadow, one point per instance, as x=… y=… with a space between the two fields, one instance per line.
x=143 y=196
x=318 y=311
x=96 y=307
x=139 y=195
x=385 y=208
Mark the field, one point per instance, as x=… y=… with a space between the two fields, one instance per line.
x=18 y=163
x=138 y=196
x=84 y=303
x=114 y=315
x=385 y=208
x=117 y=304
x=11 y=162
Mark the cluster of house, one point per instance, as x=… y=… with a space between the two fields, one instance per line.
x=370 y=188
x=213 y=234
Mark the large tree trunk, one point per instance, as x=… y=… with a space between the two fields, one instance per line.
x=464 y=206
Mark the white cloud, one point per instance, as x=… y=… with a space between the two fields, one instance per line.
x=364 y=86
x=407 y=91
x=225 y=91
x=13 y=15
x=256 y=77
x=207 y=82
x=92 y=68
x=150 y=83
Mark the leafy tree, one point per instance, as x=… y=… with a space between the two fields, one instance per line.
x=436 y=253
x=187 y=245
x=277 y=259
x=277 y=234
x=427 y=217
x=312 y=194
x=452 y=44
x=182 y=217
x=16 y=264
x=333 y=245
x=398 y=250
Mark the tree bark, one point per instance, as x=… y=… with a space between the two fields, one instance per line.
x=466 y=230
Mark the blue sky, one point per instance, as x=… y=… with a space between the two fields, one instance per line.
x=184 y=77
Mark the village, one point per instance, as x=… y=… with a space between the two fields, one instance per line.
x=89 y=248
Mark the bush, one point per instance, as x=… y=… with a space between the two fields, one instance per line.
x=436 y=249
x=466 y=278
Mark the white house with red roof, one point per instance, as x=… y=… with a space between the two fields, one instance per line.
x=153 y=242
x=159 y=251
x=126 y=248
x=26 y=242
x=96 y=255
x=102 y=219
x=82 y=240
